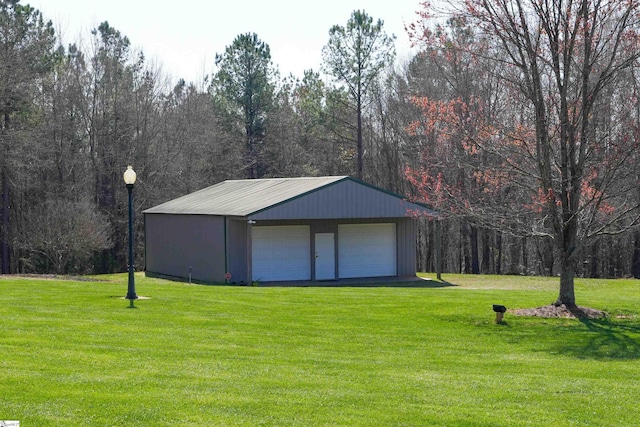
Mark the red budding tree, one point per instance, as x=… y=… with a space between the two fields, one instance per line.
x=546 y=141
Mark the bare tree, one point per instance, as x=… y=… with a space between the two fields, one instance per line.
x=26 y=43
x=65 y=233
x=561 y=61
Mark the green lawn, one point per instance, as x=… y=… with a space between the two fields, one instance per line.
x=74 y=354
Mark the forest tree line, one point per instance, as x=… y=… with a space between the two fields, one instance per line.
x=74 y=117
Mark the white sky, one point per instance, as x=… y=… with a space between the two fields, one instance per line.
x=184 y=36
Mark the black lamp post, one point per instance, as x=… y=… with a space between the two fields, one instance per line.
x=129 y=180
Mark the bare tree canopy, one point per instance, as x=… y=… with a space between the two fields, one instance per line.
x=560 y=127
x=26 y=53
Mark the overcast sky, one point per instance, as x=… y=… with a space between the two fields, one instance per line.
x=184 y=36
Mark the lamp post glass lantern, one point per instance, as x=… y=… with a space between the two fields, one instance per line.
x=130 y=180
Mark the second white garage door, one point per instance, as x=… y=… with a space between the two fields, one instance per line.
x=281 y=253
x=367 y=250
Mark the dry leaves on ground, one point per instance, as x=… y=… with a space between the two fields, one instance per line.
x=551 y=310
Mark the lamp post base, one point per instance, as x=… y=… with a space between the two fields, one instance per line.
x=131 y=286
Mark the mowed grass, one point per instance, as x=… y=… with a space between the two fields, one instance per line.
x=74 y=354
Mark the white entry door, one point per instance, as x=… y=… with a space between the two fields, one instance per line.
x=325 y=256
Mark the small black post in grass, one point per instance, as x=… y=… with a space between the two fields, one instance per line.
x=499 y=310
x=129 y=180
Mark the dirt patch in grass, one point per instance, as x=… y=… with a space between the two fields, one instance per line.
x=563 y=311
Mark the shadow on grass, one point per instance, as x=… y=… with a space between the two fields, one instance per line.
x=376 y=282
x=364 y=283
x=416 y=284
x=604 y=339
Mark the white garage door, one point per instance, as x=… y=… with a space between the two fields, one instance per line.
x=367 y=250
x=281 y=253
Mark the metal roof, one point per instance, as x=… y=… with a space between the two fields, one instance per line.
x=242 y=197
x=249 y=196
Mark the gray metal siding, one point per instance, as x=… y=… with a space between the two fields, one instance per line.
x=406 y=241
x=174 y=243
x=177 y=245
x=344 y=199
x=237 y=250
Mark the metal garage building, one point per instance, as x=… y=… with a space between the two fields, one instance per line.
x=283 y=229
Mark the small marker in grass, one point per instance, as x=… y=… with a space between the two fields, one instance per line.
x=500 y=310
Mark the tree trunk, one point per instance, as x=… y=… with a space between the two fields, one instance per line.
x=525 y=263
x=515 y=266
x=635 y=262
x=438 y=249
x=250 y=155
x=4 y=226
x=595 y=261
x=465 y=258
x=487 y=256
x=359 y=136
x=567 y=294
x=613 y=259
x=499 y=257
x=549 y=259
x=475 y=262
x=428 y=249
